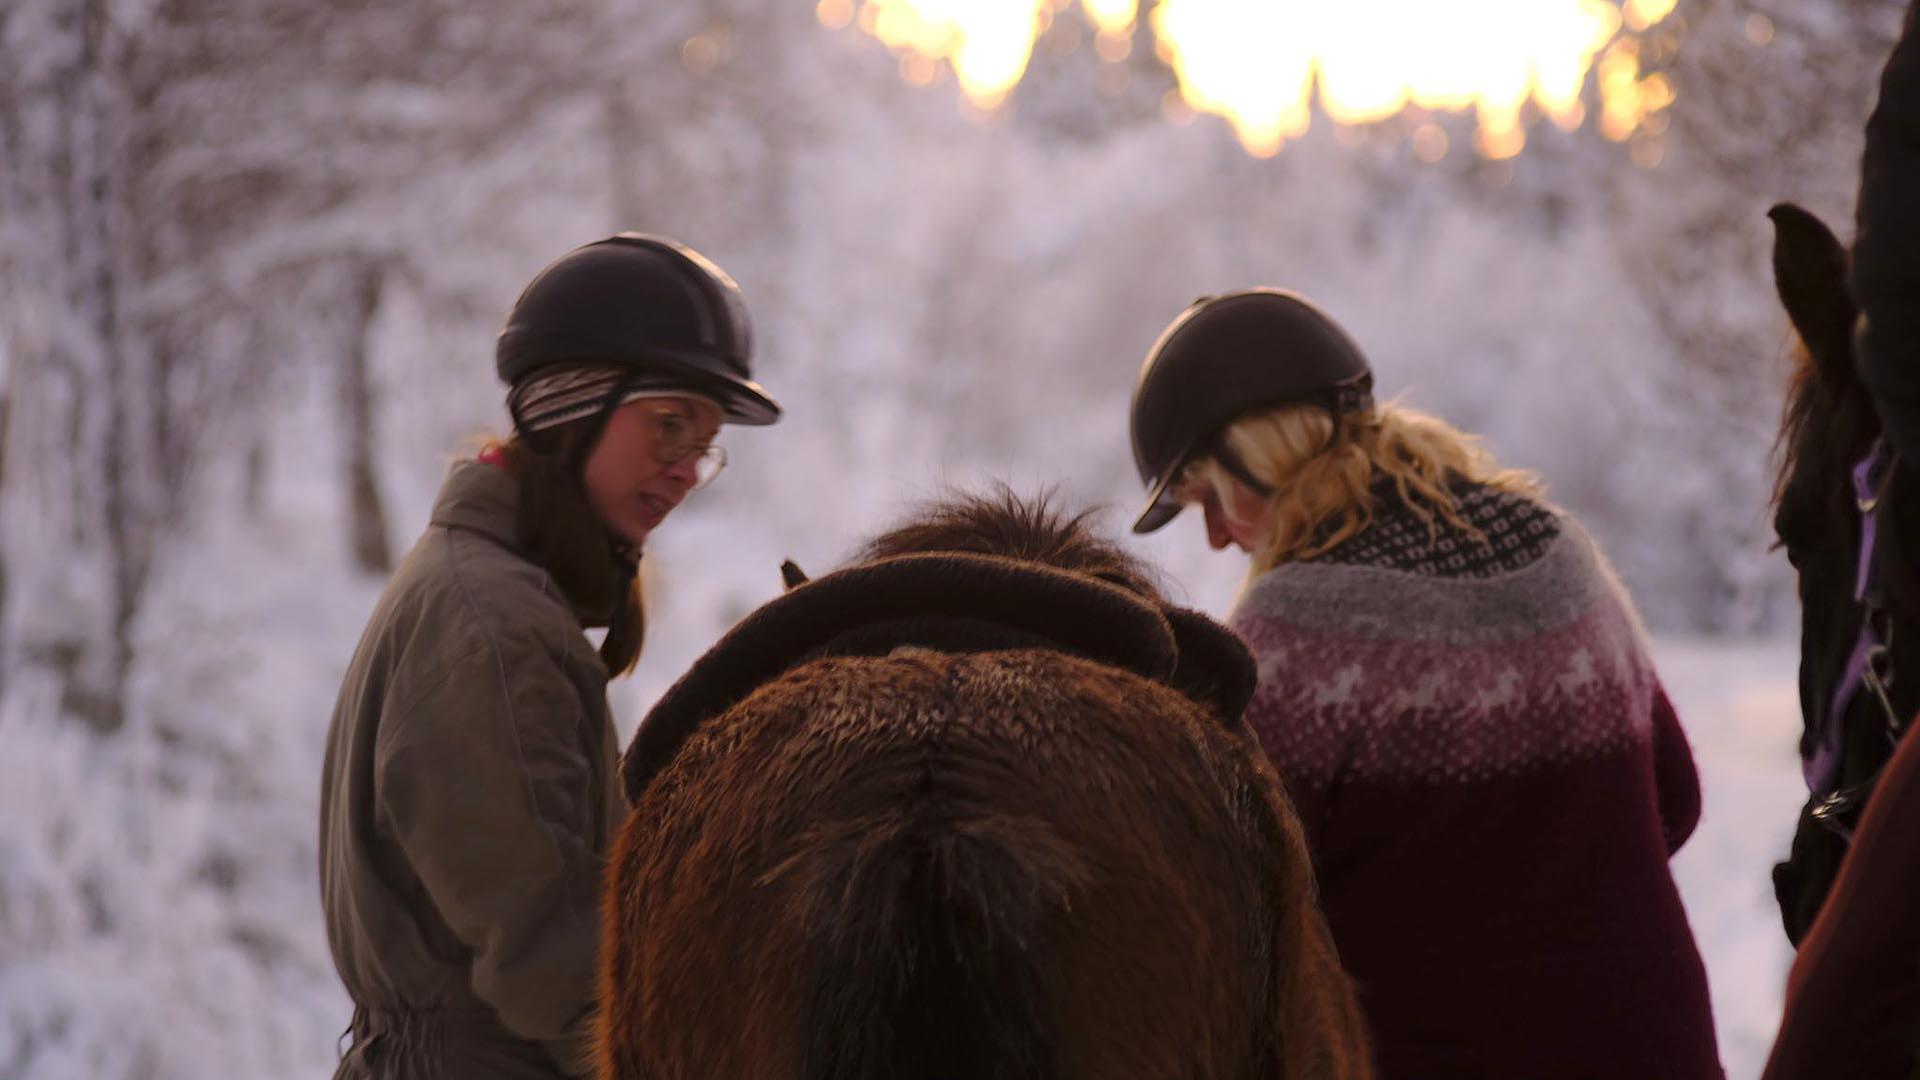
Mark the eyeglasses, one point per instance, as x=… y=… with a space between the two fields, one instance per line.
x=673 y=442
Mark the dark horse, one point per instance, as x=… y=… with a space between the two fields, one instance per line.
x=1860 y=602
x=978 y=805
x=1853 y=996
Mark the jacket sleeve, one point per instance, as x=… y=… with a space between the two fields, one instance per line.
x=487 y=785
x=1676 y=781
x=1886 y=259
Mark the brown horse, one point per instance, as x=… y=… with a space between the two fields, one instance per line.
x=978 y=805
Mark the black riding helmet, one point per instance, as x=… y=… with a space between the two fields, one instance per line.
x=1226 y=356
x=640 y=302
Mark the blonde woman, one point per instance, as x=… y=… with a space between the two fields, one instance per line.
x=1458 y=696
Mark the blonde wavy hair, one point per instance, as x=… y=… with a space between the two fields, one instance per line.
x=1321 y=471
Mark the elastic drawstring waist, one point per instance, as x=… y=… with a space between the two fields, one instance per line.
x=417 y=1036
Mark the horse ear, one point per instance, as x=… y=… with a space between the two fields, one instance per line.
x=791 y=575
x=1810 y=273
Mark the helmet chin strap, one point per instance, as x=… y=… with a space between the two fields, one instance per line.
x=597 y=426
x=1354 y=395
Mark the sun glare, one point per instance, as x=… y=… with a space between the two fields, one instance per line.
x=1111 y=16
x=1264 y=64
x=988 y=42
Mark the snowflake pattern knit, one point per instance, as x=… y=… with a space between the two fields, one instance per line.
x=1492 y=781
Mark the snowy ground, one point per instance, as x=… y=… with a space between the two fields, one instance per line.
x=1740 y=707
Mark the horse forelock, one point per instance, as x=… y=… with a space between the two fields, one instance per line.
x=1214 y=666
x=1013 y=526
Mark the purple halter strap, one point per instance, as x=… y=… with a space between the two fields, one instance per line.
x=1821 y=769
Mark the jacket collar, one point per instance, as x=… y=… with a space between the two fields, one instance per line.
x=481 y=498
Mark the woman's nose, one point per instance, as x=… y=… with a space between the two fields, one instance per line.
x=1217 y=535
x=684 y=472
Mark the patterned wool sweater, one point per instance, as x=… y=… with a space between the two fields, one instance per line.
x=1492 y=780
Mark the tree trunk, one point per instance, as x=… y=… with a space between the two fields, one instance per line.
x=366 y=516
x=623 y=156
x=108 y=471
x=253 y=489
x=6 y=398
x=80 y=499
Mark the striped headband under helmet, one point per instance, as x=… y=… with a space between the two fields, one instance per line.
x=561 y=395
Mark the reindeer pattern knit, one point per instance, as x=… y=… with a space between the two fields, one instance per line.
x=1491 y=780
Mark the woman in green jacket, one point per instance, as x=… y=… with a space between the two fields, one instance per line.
x=469 y=788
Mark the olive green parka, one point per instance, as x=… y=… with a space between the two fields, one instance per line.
x=467 y=800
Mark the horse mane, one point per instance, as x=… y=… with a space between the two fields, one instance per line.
x=1005 y=524
x=1213 y=666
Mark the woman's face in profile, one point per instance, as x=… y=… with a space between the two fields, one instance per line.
x=1239 y=524
x=1224 y=528
x=647 y=460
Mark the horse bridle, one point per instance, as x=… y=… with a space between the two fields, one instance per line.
x=1869 y=664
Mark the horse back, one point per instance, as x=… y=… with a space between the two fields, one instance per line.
x=1002 y=864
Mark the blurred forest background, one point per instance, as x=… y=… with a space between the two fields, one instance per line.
x=253 y=256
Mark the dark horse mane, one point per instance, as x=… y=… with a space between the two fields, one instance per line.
x=1828 y=424
x=977 y=805
x=1004 y=524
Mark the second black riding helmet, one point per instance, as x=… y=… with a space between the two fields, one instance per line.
x=1225 y=356
x=641 y=302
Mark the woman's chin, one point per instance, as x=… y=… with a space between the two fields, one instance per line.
x=634 y=531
